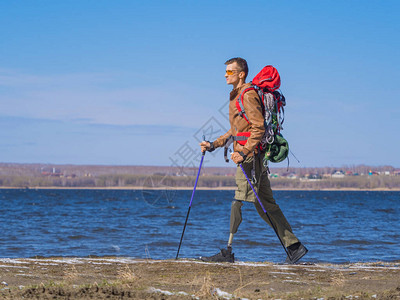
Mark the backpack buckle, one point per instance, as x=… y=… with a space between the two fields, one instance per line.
x=253 y=177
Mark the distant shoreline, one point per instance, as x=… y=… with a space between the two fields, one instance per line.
x=191 y=188
x=36 y=176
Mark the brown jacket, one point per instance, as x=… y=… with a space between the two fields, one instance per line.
x=254 y=113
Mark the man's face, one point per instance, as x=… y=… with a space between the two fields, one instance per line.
x=232 y=73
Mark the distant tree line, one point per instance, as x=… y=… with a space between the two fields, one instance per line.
x=360 y=169
x=160 y=181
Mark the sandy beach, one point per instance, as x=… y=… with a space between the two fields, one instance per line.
x=124 y=278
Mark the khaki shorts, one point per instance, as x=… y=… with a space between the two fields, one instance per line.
x=244 y=192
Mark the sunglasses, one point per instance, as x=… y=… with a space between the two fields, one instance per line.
x=231 y=72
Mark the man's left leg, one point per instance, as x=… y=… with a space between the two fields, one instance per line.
x=294 y=247
x=275 y=213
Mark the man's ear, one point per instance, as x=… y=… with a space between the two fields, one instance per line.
x=241 y=74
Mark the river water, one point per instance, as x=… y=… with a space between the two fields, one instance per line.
x=336 y=226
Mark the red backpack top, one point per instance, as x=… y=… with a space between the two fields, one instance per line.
x=268 y=78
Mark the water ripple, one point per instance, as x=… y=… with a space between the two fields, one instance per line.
x=335 y=226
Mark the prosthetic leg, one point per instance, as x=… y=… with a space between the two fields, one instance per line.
x=236 y=219
x=226 y=255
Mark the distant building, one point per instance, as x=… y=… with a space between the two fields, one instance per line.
x=338 y=174
x=314 y=177
x=371 y=173
x=50 y=171
x=291 y=176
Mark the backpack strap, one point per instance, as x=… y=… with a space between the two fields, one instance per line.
x=280 y=110
x=228 y=142
x=240 y=106
x=241 y=138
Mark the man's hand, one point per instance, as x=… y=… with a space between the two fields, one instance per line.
x=236 y=157
x=205 y=146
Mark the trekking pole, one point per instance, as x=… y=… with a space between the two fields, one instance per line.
x=190 y=204
x=265 y=211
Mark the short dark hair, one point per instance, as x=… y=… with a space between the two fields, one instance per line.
x=242 y=63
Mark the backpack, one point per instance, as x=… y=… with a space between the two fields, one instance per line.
x=266 y=83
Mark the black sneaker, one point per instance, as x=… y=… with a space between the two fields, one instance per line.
x=296 y=251
x=225 y=255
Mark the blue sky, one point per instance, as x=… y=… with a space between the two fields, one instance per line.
x=139 y=82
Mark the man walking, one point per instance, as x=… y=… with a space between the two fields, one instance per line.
x=251 y=159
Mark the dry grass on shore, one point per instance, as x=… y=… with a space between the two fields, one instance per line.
x=123 y=278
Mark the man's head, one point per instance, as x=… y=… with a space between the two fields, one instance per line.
x=236 y=71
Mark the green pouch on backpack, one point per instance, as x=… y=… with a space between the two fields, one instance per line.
x=278 y=150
